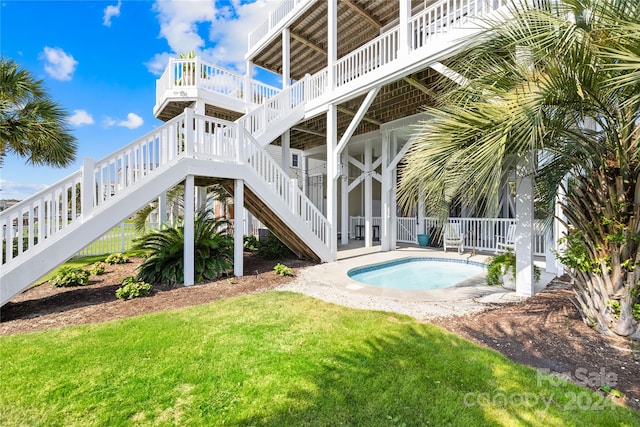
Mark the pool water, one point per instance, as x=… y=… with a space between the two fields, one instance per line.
x=417 y=273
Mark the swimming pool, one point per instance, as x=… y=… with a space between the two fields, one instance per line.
x=417 y=273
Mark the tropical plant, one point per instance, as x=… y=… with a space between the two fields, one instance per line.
x=556 y=81
x=282 y=270
x=165 y=264
x=31 y=124
x=499 y=265
x=70 y=276
x=117 y=258
x=132 y=288
x=175 y=200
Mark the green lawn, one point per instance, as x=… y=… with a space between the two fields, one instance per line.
x=277 y=359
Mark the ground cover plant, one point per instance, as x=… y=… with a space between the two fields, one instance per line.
x=132 y=288
x=70 y=276
x=278 y=359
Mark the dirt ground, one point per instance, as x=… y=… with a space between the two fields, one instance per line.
x=545 y=331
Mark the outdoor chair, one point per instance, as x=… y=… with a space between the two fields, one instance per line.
x=508 y=241
x=452 y=237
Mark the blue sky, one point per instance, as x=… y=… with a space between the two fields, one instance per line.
x=100 y=61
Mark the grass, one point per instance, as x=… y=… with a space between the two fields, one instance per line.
x=278 y=359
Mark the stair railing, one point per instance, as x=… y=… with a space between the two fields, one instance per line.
x=287 y=190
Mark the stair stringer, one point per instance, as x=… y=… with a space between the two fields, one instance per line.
x=291 y=228
x=60 y=247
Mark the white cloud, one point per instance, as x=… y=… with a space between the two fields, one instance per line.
x=179 y=21
x=80 y=118
x=229 y=26
x=17 y=190
x=158 y=63
x=133 y=121
x=58 y=64
x=229 y=32
x=108 y=122
x=109 y=12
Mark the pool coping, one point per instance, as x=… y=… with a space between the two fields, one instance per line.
x=335 y=275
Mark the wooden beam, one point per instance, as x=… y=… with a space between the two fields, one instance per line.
x=356 y=119
x=420 y=86
x=352 y=113
x=309 y=131
x=359 y=10
x=307 y=43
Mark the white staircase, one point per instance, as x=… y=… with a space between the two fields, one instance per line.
x=57 y=222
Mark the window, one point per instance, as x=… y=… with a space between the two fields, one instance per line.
x=295 y=160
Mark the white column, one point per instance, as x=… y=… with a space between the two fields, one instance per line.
x=332 y=41
x=524 y=230
x=238 y=237
x=393 y=204
x=404 y=36
x=286 y=58
x=249 y=221
x=303 y=160
x=248 y=85
x=189 y=253
x=368 y=195
x=332 y=211
x=344 y=202
x=385 y=186
x=285 y=140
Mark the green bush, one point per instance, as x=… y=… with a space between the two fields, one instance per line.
x=165 y=264
x=132 y=288
x=117 y=258
x=97 y=268
x=282 y=270
x=70 y=276
x=272 y=248
x=250 y=243
x=499 y=264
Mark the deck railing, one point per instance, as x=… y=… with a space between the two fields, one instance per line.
x=275 y=17
x=480 y=234
x=367 y=58
x=446 y=15
x=183 y=74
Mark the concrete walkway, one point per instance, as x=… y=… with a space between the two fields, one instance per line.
x=331 y=283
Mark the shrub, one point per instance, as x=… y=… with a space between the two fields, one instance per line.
x=282 y=270
x=250 y=243
x=499 y=264
x=272 y=248
x=70 y=276
x=132 y=288
x=165 y=264
x=97 y=268
x=117 y=259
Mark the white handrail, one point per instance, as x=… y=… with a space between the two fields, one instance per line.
x=285 y=188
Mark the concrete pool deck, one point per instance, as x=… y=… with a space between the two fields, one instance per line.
x=331 y=283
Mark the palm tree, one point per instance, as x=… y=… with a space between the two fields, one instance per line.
x=555 y=84
x=31 y=124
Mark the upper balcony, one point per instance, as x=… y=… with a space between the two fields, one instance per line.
x=185 y=80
